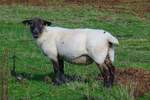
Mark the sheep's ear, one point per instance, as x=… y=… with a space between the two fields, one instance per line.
x=47 y=23
x=27 y=22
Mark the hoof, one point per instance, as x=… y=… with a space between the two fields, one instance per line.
x=61 y=80
x=65 y=79
x=58 y=81
x=108 y=84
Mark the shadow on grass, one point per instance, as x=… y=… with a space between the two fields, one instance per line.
x=48 y=78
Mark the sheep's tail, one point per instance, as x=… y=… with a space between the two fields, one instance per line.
x=111 y=52
x=112 y=42
x=112 y=39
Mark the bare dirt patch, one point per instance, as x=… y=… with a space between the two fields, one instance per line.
x=25 y=2
x=136 y=79
x=135 y=7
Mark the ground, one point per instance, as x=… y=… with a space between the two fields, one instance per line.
x=128 y=22
x=136 y=80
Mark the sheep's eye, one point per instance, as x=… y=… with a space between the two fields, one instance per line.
x=31 y=23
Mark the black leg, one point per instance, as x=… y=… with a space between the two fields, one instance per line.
x=105 y=73
x=61 y=64
x=106 y=76
x=108 y=72
x=111 y=69
x=112 y=73
x=57 y=72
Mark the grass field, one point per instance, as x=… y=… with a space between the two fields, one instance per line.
x=132 y=31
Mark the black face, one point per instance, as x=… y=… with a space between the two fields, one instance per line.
x=36 y=26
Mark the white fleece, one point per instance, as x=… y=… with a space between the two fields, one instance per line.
x=74 y=43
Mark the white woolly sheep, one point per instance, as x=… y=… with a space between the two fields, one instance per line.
x=78 y=46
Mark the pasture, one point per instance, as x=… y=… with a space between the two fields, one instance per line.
x=131 y=27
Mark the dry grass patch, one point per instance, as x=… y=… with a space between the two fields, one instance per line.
x=136 y=79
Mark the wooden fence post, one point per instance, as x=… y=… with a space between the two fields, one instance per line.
x=4 y=75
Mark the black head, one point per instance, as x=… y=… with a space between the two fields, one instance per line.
x=36 y=26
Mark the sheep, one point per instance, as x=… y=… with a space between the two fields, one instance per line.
x=77 y=46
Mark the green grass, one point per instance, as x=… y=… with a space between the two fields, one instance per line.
x=133 y=51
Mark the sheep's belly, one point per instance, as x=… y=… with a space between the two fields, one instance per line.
x=80 y=60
